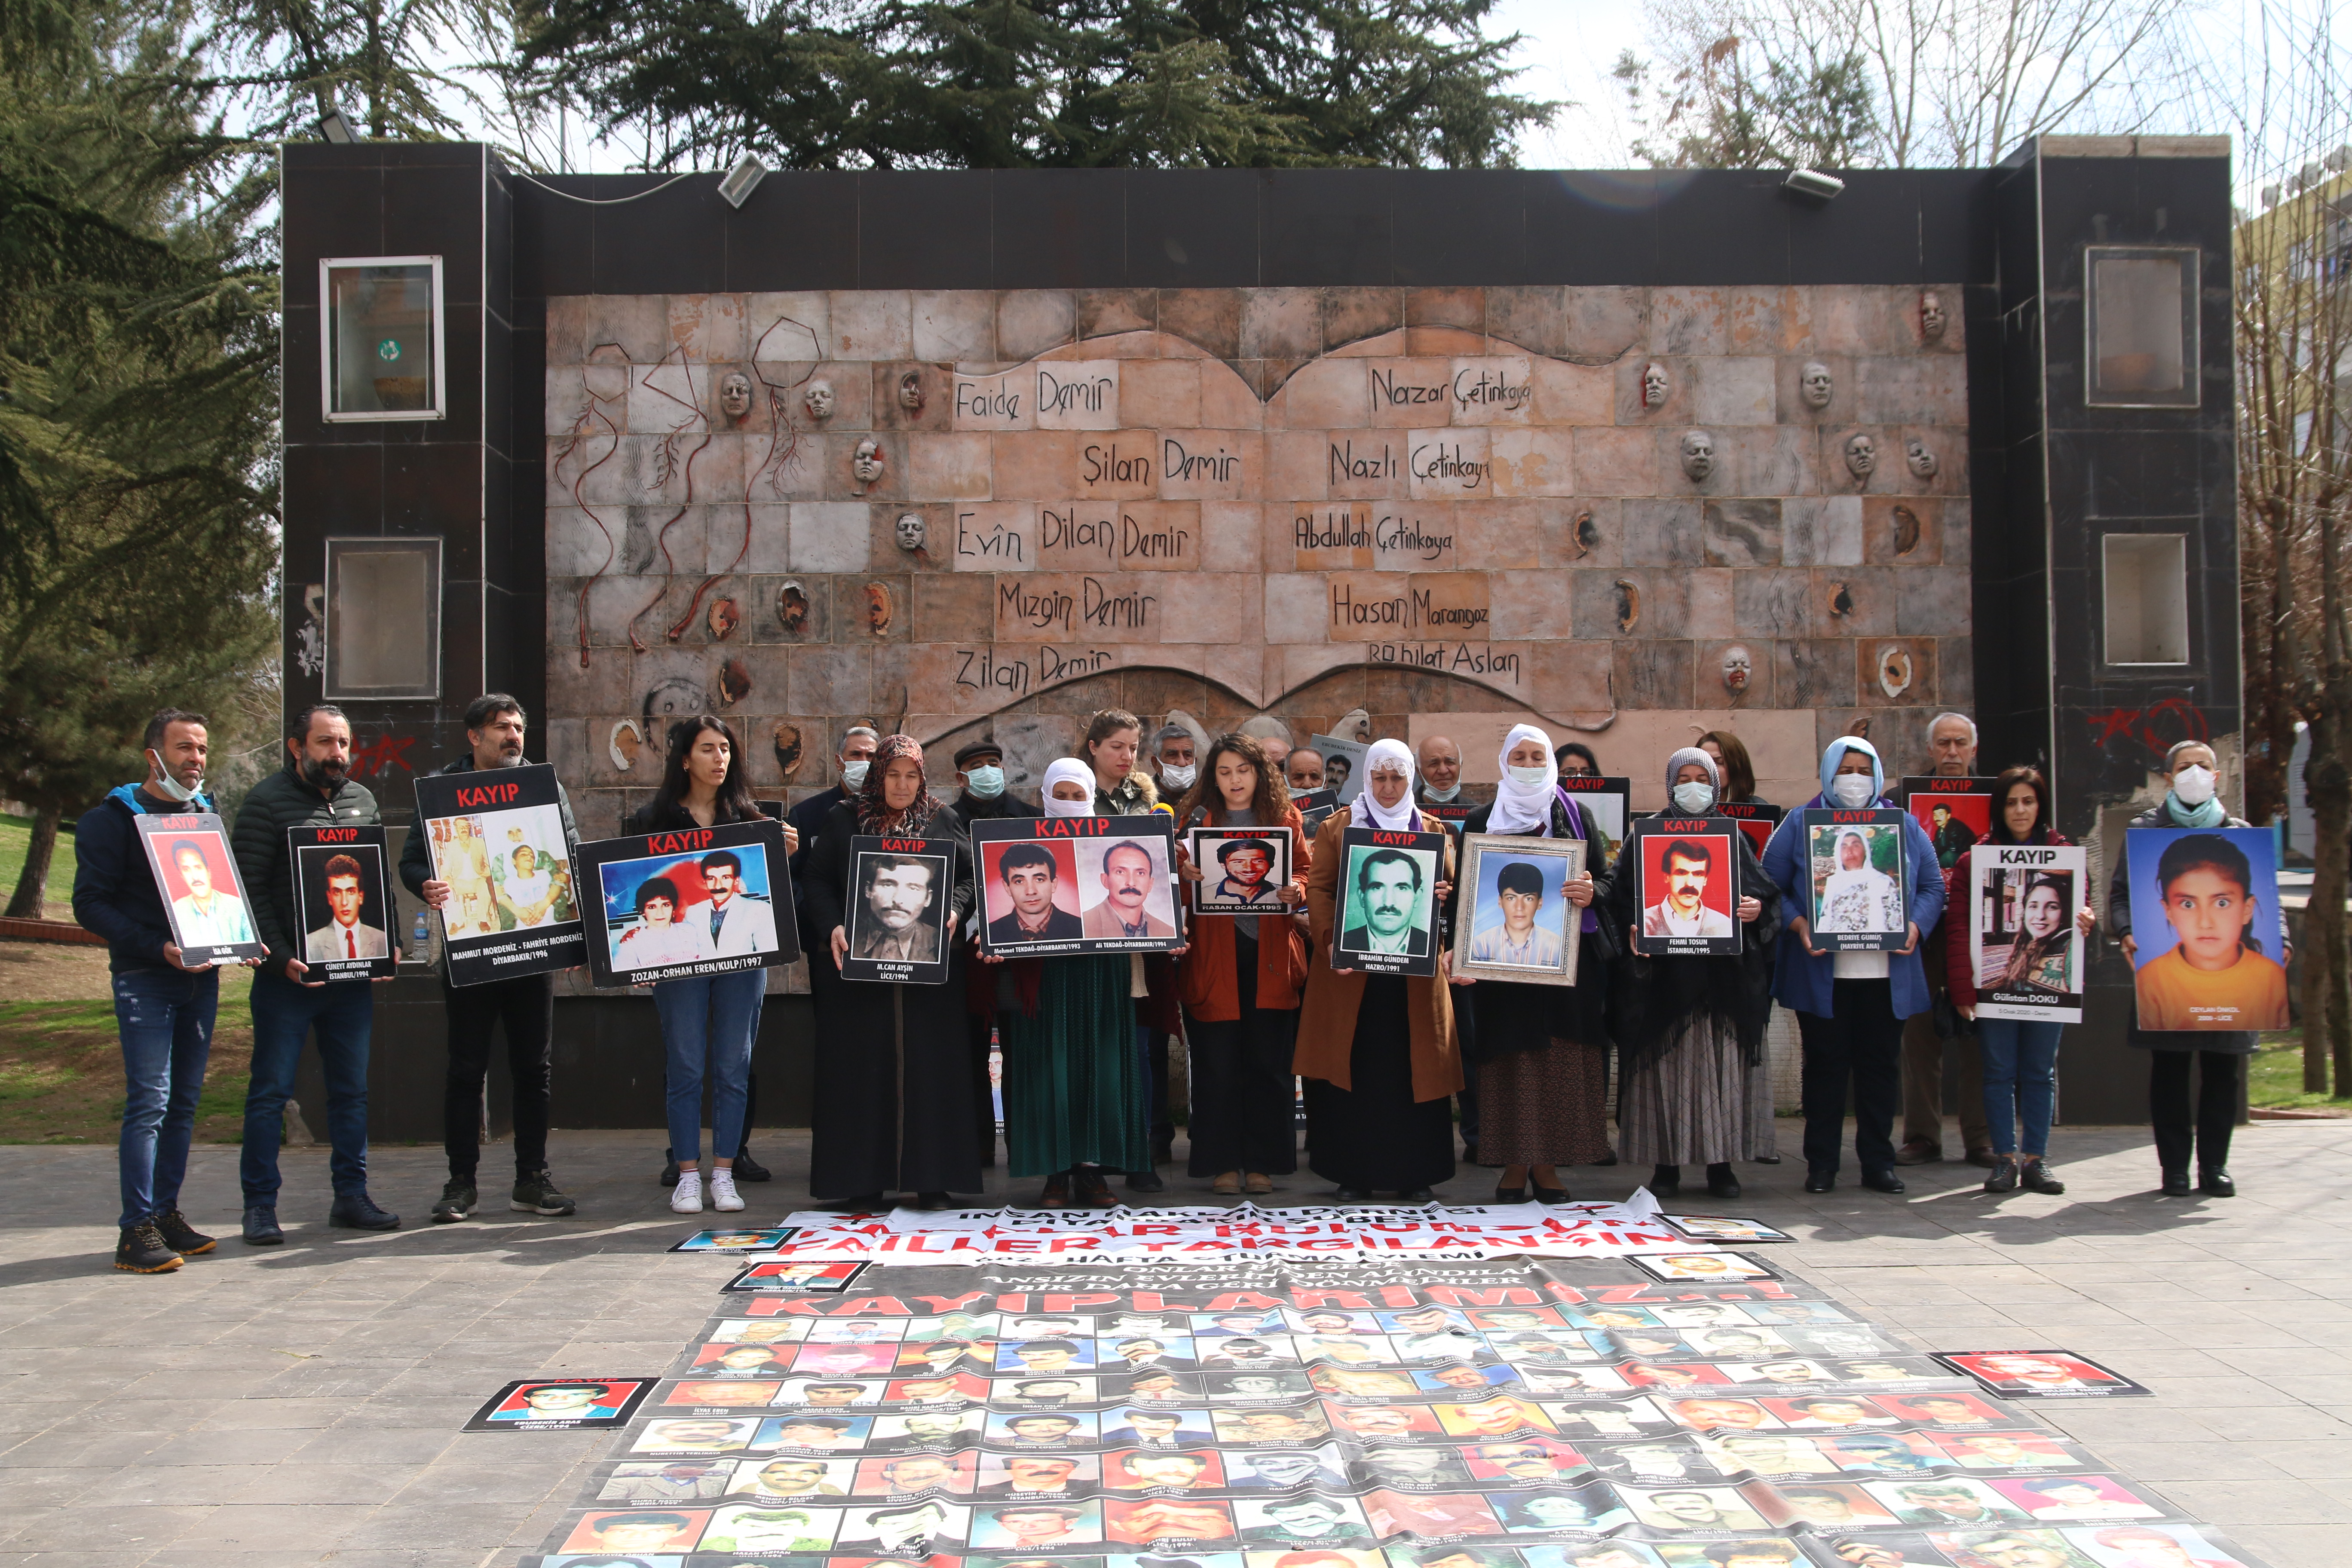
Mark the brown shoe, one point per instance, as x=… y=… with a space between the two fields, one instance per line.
x=1260 y=1182
x=1983 y=1158
x=1918 y=1154
x=1056 y=1195
x=1228 y=1184
x=1092 y=1191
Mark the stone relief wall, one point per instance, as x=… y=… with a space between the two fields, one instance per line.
x=1630 y=512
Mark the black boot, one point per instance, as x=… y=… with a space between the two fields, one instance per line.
x=1720 y=1182
x=1666 y=1182
x=140 y=1250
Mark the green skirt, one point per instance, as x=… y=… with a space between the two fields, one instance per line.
x=1074 y=1085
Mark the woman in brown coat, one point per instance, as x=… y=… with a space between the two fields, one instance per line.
x=1378 y=1051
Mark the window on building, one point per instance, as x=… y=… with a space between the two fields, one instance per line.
x=2142 y=326
x=2147 y=597
x=383 y=619
x=380 y=343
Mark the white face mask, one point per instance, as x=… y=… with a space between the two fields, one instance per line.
x=1530 y=778
x=170 y=788
x=1180 y=776
x=2193 y=784
x=987 y=783
x=853 y=774
x=1694 y=797
x=1442 y=795
x=1852 y=790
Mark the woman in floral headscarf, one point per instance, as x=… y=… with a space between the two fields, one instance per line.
x=894 y=1108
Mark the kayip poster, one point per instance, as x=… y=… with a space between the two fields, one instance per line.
x=2025 y=947
x=2040 y=1374
x=1242 y=870
x=1689 y=896
x=562 y=1405
x=1607 y=801
x=1860 y=880
x=2209 y=932
x=1076 y=884
x=899 y=910
x=1954 y=812
x=1503 y=1412
x=343 y=903
x=1754 y=819
x=1343 y=765
x=701 y=900
x=212 y=919
x=1388 y=900
x=1315 y=806
x=1518 y=923
x=496 y=836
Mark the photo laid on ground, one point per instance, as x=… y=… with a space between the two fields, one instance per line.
x=341 y=901
x=496 y=836
x=2024 y=946
x=703 y=901
x=899 y=910
x=1860 y=880
x=2040 y=1374
x=1242 y=869
x=1608 y=801
x=1343 y=765
x=562 y=1405
x=1690 y=886
x=212 y=921
x=759 y=1239
x=1518 y=924
x=2209 y=930
x=1723 y=1228
x=810 y=1278
x=1700 y=1268
x=1388 y=901
x=1956 y=812
x=1077 y=884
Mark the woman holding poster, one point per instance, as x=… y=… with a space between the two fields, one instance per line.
x=2218 y=1055
x=894 y=1097
x=1689 y=1032
x=2020 y=1054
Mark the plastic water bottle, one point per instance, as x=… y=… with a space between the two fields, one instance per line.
x=422 y=944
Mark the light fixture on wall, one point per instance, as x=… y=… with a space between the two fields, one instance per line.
x=742 y=179
x=1813 y=184
x=336 y=127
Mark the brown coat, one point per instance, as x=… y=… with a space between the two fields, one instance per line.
x=1326 y=1022
x=1206 y=970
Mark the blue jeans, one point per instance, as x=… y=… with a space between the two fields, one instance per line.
x=165 y=1017
x=343 y=1011
x=708 y=1025
x=2020 y=1081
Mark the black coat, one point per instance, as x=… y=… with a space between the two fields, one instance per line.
x=1494 y=1017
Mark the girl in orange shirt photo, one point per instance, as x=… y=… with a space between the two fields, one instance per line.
x=2215 y=975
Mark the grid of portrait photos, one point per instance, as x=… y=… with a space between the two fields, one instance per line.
x=1518 y=923
x=1242 y=869
x=343 y=904
x=1388 y=900
x=2025 y=947
x=704 y=901
x=1860 y=880
x=212 y=919
x=1689 y=893
x=2208 y=929
x=496 y=836
x=899 y=910
x=1505 y=1414
x=1051 y=886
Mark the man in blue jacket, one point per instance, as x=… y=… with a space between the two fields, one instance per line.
x=163 y=1007
x=1850 y=1007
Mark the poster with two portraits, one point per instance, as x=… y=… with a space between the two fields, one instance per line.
x=689 y=904
x=1057 y=885
x=496 y=836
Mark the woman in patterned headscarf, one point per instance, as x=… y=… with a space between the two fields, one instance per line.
x=894 y=1108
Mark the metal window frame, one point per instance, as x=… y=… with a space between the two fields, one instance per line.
x=430 y=545
x=2191 y=260
x=439 y=408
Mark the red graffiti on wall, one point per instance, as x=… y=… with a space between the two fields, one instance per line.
x=2158 y=727
x=390 y=751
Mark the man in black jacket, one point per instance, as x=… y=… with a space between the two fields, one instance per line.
x=312 y=789
x=495 y=728
x=980 y=780
x=163 y=1008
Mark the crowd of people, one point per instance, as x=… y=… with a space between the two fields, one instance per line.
x=1264 y=1006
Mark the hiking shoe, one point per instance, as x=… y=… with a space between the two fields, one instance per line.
x=458 y=1199
x=536 y=1193
x=357 y=1211
x=686 y=1196
x=261 y=1226
x=142 y=1250
x=2004 y=1175
x=179 y=1235
x=2036 y=1177
x=723 y=1196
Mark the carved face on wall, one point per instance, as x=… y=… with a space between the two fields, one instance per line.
x=787 y=741
x=1894 y=669
x=1921 y=461
x=818 y=399
x=1931 y=316
x=910 y=531
x=1698 y=454
x=1817 y=383
x=735 y=395
x=1738 y=668
x=723 y=616
x=1861 y=456
x=1654 y=384
x=865 y=463
x=792 y=607
x=622 y=745
x=910 y=392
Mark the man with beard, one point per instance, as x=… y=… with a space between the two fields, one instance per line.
x=313 y=788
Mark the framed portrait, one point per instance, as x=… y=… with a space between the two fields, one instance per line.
x=1700 y=1268
x=704 y=901
x=2209 y=929
x=1242 y=869
x=1957 y=814
x=1314 y=805
x=497 y=839
x=1077 y=885
x=562 y=1405
x=2040 y=1374
x=2024 y=948
x=1343 y=765
x=349 y=925
x=899 y=910
x=1723 y=1228
x=1689 y=869
x=1755 y=819
x=212 y=919
x=1607 y=801
x=1388 y=901
x=1520 y=925
x=1859 y=880
x=806 y=1277
x=760 y=1238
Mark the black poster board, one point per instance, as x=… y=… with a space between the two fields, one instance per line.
x=496 y=836
x=696 y=902
x=1242 y=870
x=562 y=1404
x=343 y=904
x=1955 y=814
x=1856 y=904
x=898 y=909
x=1052 y=885
x=1689 y=899
x=211 y=917
x=1388 y=901
x=1315 y=806
x=1756 y=819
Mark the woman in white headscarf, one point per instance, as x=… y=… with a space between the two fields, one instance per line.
x=1377 y=1051
x=1541 y=1052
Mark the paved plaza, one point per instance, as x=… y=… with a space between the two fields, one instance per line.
x=270 y=1408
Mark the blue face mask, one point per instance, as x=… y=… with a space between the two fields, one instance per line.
x=985 y=782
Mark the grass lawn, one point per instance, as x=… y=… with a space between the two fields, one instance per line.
x=62 y=1064
x=2274 y=1078
x=15 y=833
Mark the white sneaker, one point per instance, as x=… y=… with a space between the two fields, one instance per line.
x=686 y=1196
x=723 y=1196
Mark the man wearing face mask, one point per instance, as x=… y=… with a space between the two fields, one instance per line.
x=313 y=789
x=858 y=743
x=988 y=988
x=163 y=1007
